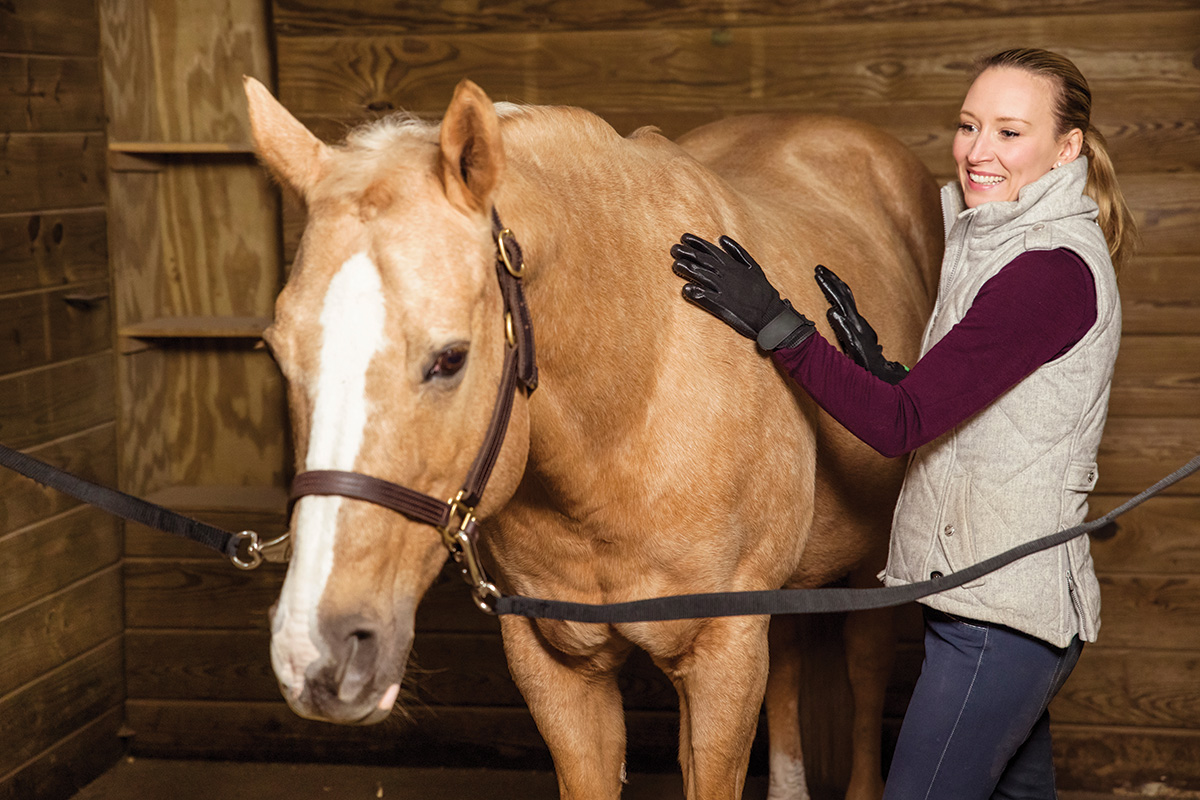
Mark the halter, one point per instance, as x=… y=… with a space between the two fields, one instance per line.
x=455 y=518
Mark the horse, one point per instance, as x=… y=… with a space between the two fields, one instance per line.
x=660 y=453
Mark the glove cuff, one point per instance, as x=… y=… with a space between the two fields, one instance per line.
x=788 y=329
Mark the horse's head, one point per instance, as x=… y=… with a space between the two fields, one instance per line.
x=390 y=333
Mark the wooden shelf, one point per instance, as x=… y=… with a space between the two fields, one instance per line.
x=181 y=148
x=140 y=335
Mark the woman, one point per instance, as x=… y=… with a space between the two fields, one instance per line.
x=1004 y=409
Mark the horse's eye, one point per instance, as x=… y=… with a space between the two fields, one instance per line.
x=447 y=363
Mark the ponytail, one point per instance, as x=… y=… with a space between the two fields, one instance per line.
x=1115 y=218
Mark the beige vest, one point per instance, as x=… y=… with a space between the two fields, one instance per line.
x=1021 y=468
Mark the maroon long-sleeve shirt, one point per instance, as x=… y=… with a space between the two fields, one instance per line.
x=1032 y=311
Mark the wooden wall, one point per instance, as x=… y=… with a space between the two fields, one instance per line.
x=61 y=682
x=198 y=678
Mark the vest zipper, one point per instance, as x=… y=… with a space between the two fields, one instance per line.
x=1073 y=592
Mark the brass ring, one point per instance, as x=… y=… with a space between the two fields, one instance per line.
x=505 y=258
x=509 y=332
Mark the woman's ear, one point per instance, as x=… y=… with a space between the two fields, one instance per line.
x=1072 y=145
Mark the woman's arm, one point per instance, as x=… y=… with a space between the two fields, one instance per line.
x=1035 y=309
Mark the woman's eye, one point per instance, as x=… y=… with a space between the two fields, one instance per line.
x=966 y=127
x=447 y=363
x=1009 y=134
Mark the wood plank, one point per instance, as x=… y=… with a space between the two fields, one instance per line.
x=56 y=401
x=1157 y=376
x=1100 y=759
x=347 y=17
x=228 y=406
x=70 y=765
x=1161 y=294
x=784 y=66
x=50 y=249
x=207 y=247
x=40 y=637
x=233 y=508
x=1151 y=612
x=91 y=455
x=66 y=27
x=51 y=171
x=1167 y=209
x=1145 y=688
x=54 y=325
x=129 y=73
x=1137 y=451
x=48 y=710
x=198 y=594
x=50 y=94
x=200 y=53
x=1158 y=537
x=136 y=247
x=51 y=555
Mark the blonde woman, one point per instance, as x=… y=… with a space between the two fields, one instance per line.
x=1004 y=410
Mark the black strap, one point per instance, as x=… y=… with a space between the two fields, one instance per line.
x=809 y=601
x=122 y=505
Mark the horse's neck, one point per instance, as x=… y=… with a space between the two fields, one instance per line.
x=599 y=214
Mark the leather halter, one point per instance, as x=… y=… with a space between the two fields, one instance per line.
x=455 y=518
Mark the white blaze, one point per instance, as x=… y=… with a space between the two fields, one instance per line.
x=352 y=322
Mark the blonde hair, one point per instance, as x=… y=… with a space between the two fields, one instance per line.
x=1074 y=110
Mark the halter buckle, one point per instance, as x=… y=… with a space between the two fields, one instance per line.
x=457 y=538
x=514 y=268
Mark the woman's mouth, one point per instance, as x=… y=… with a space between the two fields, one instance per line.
x=985 y=181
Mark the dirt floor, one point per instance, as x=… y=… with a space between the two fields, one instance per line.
x=154 y=779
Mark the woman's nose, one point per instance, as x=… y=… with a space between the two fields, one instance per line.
x=980 y=150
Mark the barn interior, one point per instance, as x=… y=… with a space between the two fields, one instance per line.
x=142 y=247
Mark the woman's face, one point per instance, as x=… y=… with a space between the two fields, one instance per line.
x=1006 y=137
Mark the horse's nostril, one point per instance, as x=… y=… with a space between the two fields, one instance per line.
x=362 y=635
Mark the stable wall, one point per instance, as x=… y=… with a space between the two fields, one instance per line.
x=1130 y=714
x=61 y=679
x=200 y=409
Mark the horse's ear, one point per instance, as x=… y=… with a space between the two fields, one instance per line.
x=472 y=153
x=289 y=149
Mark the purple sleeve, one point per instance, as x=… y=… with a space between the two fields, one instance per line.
x=1033 y=310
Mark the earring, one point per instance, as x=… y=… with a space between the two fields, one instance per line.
x=1057 y=164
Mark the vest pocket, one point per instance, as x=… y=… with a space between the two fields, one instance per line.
x=956 y=536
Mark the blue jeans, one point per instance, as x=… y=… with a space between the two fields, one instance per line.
x=977 y=725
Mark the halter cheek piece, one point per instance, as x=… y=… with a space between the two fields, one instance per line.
x=455 y=518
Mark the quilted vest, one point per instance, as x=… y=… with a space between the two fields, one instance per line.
x=1022 y=467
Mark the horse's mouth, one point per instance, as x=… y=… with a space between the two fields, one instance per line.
x=330 y=709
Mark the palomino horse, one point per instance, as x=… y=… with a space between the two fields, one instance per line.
x=661 y=454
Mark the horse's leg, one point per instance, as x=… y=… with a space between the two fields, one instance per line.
x=721 y=680
x=788 y=781
x=870 y=638
x=577 y=707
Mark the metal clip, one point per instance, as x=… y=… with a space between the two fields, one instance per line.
x=254 y=555
x=278 y=549
x=458 y=541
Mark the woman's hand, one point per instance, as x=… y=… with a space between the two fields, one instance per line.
x=857 y=338
x=729 y=284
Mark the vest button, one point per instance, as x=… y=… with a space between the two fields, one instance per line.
x=949 y=530
x=933 y=576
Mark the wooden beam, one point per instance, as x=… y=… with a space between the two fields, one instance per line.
x=49 y=249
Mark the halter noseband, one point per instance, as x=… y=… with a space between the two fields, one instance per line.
x=455 y=518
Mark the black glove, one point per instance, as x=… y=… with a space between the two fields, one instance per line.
x=729 y=284
x=857 y=338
